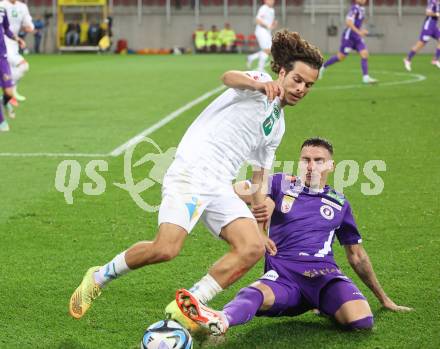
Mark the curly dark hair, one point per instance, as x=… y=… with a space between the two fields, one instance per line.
x=288 y=47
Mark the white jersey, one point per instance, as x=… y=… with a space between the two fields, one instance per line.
x=18 y=15
x=266 y=14
x=239 y=126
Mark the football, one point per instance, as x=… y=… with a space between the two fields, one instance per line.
x=166 y=334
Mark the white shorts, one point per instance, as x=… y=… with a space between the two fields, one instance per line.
x=13 y=55
x=264 y=38
x=215 y=210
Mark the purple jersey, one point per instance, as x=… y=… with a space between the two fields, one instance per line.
x=4 y=30
x=304 y=223
x=357 y=16
x=433 y=6
x=429 y=28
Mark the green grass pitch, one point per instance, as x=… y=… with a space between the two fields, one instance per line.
x=92 y=104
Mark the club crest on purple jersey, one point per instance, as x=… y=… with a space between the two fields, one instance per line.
x=287 y=203
x=327 y=212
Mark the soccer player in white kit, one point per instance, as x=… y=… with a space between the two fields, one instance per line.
x=19 y=19
x=244 y=124
x=263 y=31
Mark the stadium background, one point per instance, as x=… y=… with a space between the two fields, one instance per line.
x=394 y=24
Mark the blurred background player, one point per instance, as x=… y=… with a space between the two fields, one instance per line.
x=300 y=271
x=352 y=39
x=20 y=19
x=266 y=22
x=227 y=38
x=38 y=33
x=199 y=37
x=429 y=30
x=5 y=70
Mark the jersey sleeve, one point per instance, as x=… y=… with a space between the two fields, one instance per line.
x=248 y=94
x=348 y=233
x=351 y=15
x=6 y=28
x=27 y=19
x=431 y=5
x=261 y=14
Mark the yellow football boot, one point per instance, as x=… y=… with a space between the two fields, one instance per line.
x=84 y=295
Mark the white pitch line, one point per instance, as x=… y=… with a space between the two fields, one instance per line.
x=413 y=79
x=162 y=122
x=54 y=155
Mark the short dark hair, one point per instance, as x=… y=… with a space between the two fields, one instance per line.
x=288 y=48
x=318 y=142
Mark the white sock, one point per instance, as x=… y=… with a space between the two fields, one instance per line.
x=112 y=270
x=262 y=61
x=253 y=56
x=206 y=289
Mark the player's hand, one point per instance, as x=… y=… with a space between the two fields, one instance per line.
x=263 y=212
x=364 y=32
x=274 y=25
x=390 y=305
x=271 y=89
x=21 y=43
x=271 y=248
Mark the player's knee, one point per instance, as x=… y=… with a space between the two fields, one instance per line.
x=365 y=323
x=167 y=254
x=340 y=56
x=24 y=66
x=252 y=253
x=164 y=253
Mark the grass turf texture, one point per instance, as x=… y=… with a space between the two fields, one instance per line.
x=92 y=104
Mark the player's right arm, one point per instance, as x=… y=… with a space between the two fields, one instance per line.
x=242 y=81
x=361 y=264
x=350 y=24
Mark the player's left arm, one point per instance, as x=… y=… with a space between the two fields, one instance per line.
x=259 y=194
x=361 y=264
x=242 y=81
x=10 y=34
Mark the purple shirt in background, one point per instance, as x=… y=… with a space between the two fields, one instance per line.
x=357 y=16
x=304 y=223
x=4 y=30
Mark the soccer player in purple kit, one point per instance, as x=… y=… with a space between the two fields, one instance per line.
x=429 y=30
x=300 y=271
x=5 y=70
x=352 y=38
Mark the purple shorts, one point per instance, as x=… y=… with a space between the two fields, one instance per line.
x=429 y=30
x=5 y=73
x=301 y=286
x=353 y=42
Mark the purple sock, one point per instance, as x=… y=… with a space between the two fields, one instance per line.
x=362 y=324
x=364 y=65
x=411 y=54
x=437 y=54
x=331 y=61
x=244 y=306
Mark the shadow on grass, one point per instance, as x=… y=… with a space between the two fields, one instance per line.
x=287 y=334
x=70 y=344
